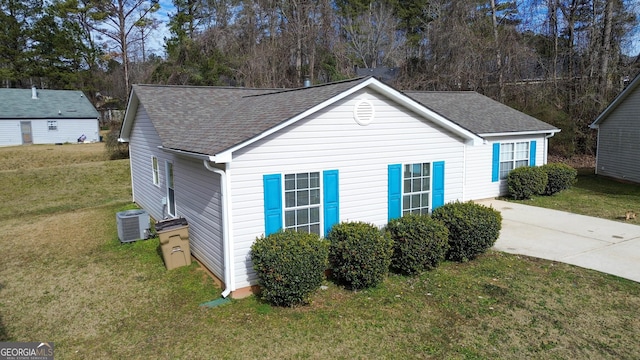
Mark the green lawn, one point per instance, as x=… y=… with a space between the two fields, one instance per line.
x=64 y=277
x=594 y=196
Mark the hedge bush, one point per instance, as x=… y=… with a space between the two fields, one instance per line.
x=290 y=266
x=526 y=181
x=560 y=177
x=419 y=243
x=473 y=228
x=359 y=254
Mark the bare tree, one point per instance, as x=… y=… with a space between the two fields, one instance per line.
x=118 y=20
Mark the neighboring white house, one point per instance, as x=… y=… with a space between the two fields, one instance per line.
x=239 y=163
x=619 y=135
x=32 y=116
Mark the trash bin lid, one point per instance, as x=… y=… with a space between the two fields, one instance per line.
x=170 y=223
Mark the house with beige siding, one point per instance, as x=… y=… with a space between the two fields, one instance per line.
x=618 y=135
x=42 y=116
x=239 y=163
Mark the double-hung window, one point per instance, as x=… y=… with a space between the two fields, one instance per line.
x=302 y=202
x=52 y=125
x=513 y=155
x=416 y=188
x=305 y=201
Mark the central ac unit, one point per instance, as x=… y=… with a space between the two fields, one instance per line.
x=132 y=225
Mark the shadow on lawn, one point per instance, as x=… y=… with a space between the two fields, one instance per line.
x=4 y=336
x=588 y=180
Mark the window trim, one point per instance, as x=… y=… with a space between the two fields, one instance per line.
x=404 y=194
x=502 y=175
x=171 y=192
x=319 y=205
x=155 y=171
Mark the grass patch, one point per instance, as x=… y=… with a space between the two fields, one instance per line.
x=593 y=195
x=39 y=156
x=66 y=278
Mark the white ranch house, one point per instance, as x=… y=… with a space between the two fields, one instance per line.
x=238 y=163
x=33 y=116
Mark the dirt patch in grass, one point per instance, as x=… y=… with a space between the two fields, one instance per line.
x=576 y=161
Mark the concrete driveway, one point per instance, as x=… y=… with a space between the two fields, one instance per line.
x=608 y=246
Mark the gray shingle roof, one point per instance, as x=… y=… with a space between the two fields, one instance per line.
x=478 y=113
x=66 y=104
x=211 y=120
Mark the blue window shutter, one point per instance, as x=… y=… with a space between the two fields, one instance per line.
x=532 y=153
x=437 y=196
x=395 y=191
x=331 y=199
x=495 y=164
x=272 y=203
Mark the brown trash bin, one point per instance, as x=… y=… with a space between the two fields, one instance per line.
x=174 y=242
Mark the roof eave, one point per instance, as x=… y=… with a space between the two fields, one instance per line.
x=129 y=115
x=519 y=133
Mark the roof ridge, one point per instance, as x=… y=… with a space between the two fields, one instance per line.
x=281 y=91
x=204 y=87
x=442 y=91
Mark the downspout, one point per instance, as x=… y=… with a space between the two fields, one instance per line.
x=226 y=228
x=546 y=147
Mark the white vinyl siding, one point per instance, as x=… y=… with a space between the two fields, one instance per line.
x=143 y=148
x=198 y=194
x=478 y=184
x=66 y=131
x=332 y=139
x=194 y=185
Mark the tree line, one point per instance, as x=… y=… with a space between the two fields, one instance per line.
x=562 y=61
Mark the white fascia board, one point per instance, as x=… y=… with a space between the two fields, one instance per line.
x=520 y=133
x=129 y=115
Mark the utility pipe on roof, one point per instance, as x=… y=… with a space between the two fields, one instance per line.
x=226 y=226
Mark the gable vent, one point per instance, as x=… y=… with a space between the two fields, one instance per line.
x=363 y=112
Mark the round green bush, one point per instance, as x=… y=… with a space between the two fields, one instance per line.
x=359 y=254
x=290 y=266
x=473 y=228
x=560 y=177
x=526 y=181
x=419 y=243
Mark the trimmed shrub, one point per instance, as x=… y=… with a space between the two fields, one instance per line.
x=359 y=254
x=419 y=243
x=526 y=181
x=473 y=228
x=290 y=266
x=560 y=177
